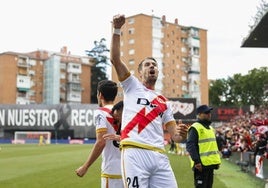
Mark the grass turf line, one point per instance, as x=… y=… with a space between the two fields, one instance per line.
x=29 y=165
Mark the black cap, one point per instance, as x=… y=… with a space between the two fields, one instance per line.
x=203 y=109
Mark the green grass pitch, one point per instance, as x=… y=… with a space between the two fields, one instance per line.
x=53 y=166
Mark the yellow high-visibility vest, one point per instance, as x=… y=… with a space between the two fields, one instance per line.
x=208 y=148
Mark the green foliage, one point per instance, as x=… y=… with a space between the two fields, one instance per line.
x=54 y=165
x=217 y=91
x=98 y=71
x=240 y=90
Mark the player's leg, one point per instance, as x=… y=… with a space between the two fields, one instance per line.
x=116 y=183
x=135 y=163
x=163 y=175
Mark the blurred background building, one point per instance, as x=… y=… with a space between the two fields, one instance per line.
x=44 y=77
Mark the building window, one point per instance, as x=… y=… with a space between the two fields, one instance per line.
x=76 y=66
x=131 y=52
x=131 y=21
x=131 y=62
x=184 y=88
x=184 y=30
x=184 y=40
x=131 y=41
x=62 y=66
x=183 y=49
x=131 y=31
x=32 y=62
x=194 y=32
x=196 y=51
x=195 y=60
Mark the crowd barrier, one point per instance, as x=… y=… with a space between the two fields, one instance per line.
x=246 y=163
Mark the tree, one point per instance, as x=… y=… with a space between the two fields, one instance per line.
x=99 y=70
x=255 y=83
x=241 y=90
x=217 y=91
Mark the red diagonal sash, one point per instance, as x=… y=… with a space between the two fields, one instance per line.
x=142 y=120
x=109 y=119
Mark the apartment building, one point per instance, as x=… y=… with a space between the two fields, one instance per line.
x=181 y=53
x=44 y=77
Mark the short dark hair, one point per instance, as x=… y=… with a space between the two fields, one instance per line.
x=140 y=64
x=118 y=106
x=108 y=89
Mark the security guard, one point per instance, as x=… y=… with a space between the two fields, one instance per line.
x=202 y=147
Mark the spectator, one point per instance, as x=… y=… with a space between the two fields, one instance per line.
x=259 y=154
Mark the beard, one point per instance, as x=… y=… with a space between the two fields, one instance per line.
x=150 y=81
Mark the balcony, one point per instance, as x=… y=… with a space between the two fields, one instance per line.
x=23 y=62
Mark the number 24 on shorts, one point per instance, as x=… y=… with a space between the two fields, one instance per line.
x=133 y=182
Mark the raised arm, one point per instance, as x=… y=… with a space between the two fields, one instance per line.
x=120 y=67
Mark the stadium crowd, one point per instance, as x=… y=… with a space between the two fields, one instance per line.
x=248 y=135
x=241 y=133
x=244 y=133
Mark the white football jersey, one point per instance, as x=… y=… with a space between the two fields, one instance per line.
x=144 y=114
x=110 y=155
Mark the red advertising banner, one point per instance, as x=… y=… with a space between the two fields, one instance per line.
x=227 y=113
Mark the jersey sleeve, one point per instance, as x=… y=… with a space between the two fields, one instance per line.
x=100 y=122
x=168 y=114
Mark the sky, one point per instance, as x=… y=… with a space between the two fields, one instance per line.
x=29 y=25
